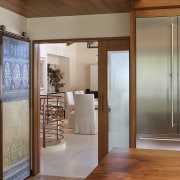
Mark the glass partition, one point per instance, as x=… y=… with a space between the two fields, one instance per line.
x=118 y=98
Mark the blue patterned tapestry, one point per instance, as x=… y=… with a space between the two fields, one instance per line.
x=15 y=76
x=15 y=108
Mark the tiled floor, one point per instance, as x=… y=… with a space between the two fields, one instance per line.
x=80 y=156
x=78 y=159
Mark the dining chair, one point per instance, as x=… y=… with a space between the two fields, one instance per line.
x=86 y=117
x=70 y=109
x=79 y=92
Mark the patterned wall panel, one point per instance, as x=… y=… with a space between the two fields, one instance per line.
x=15 y=69
x=15 y=109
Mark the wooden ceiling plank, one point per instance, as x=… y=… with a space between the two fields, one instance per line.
x=75 y=5
x=39 y=9
x=124 y=5
x=90 y=8
x=49 y=8
x=61 y=8
x=101 y=6
x=118 y=5
x=14 y=6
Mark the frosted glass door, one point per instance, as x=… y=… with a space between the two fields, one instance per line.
x=118 y=98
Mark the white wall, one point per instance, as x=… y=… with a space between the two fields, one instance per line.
x=67 y=27
x=80 y=57
x=13 y=22
x=85 y=56
x=86 y=26
x=65 y=51
x=63 y=64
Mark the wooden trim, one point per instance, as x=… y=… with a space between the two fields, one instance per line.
x=35 y=111
x=144 y=9
x=102 y=138
x=147 y=4
x=104 y=46
x=74 y=40
x=157 y=12
x=102 y=94
x=132 y=75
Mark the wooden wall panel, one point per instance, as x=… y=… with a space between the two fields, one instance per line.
x=158 y=12
x=149 y=4
x=132 y=85
x=105 y=46
x=35 y=111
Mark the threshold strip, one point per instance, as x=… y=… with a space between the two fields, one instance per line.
x=160 y=138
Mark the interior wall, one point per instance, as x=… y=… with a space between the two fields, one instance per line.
x=64 y=51
x=63 y=64
x=79 y=56
x=84 y=26
x=85 y=56
x=13 y=22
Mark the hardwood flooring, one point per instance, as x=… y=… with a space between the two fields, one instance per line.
x=42 y=177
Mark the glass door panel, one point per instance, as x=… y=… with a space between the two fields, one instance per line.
x=118 y=98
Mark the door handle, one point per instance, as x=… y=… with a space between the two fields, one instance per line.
x=172 y=76
x=101 y=102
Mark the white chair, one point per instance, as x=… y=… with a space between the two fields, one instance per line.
x=70 y=109
x=79 y=92
x=86 y=117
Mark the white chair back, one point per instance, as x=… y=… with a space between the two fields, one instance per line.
x=86 y=117
x=79 y=92
x=70 y=109
x=70 y=98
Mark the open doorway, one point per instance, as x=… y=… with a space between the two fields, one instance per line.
x=79 y=155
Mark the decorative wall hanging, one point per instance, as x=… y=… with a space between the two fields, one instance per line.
x=14 y=105
x=15 y=76
x=54 y=78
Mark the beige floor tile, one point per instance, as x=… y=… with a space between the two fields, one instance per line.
x=78 y=159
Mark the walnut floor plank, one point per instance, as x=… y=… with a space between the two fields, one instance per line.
x=43 y=177
x=136 y=164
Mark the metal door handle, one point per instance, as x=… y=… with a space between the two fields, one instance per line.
x=101 y=102
x=172 y=76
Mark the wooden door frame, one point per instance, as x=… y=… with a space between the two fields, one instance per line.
x=142 y=12
x=117 y=44
x=36 y=94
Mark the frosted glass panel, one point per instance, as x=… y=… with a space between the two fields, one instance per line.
x=118 y=98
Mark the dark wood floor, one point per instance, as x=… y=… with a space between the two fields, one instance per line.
x=42 y=177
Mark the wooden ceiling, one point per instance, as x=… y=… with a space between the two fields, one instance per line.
x=50 y=8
